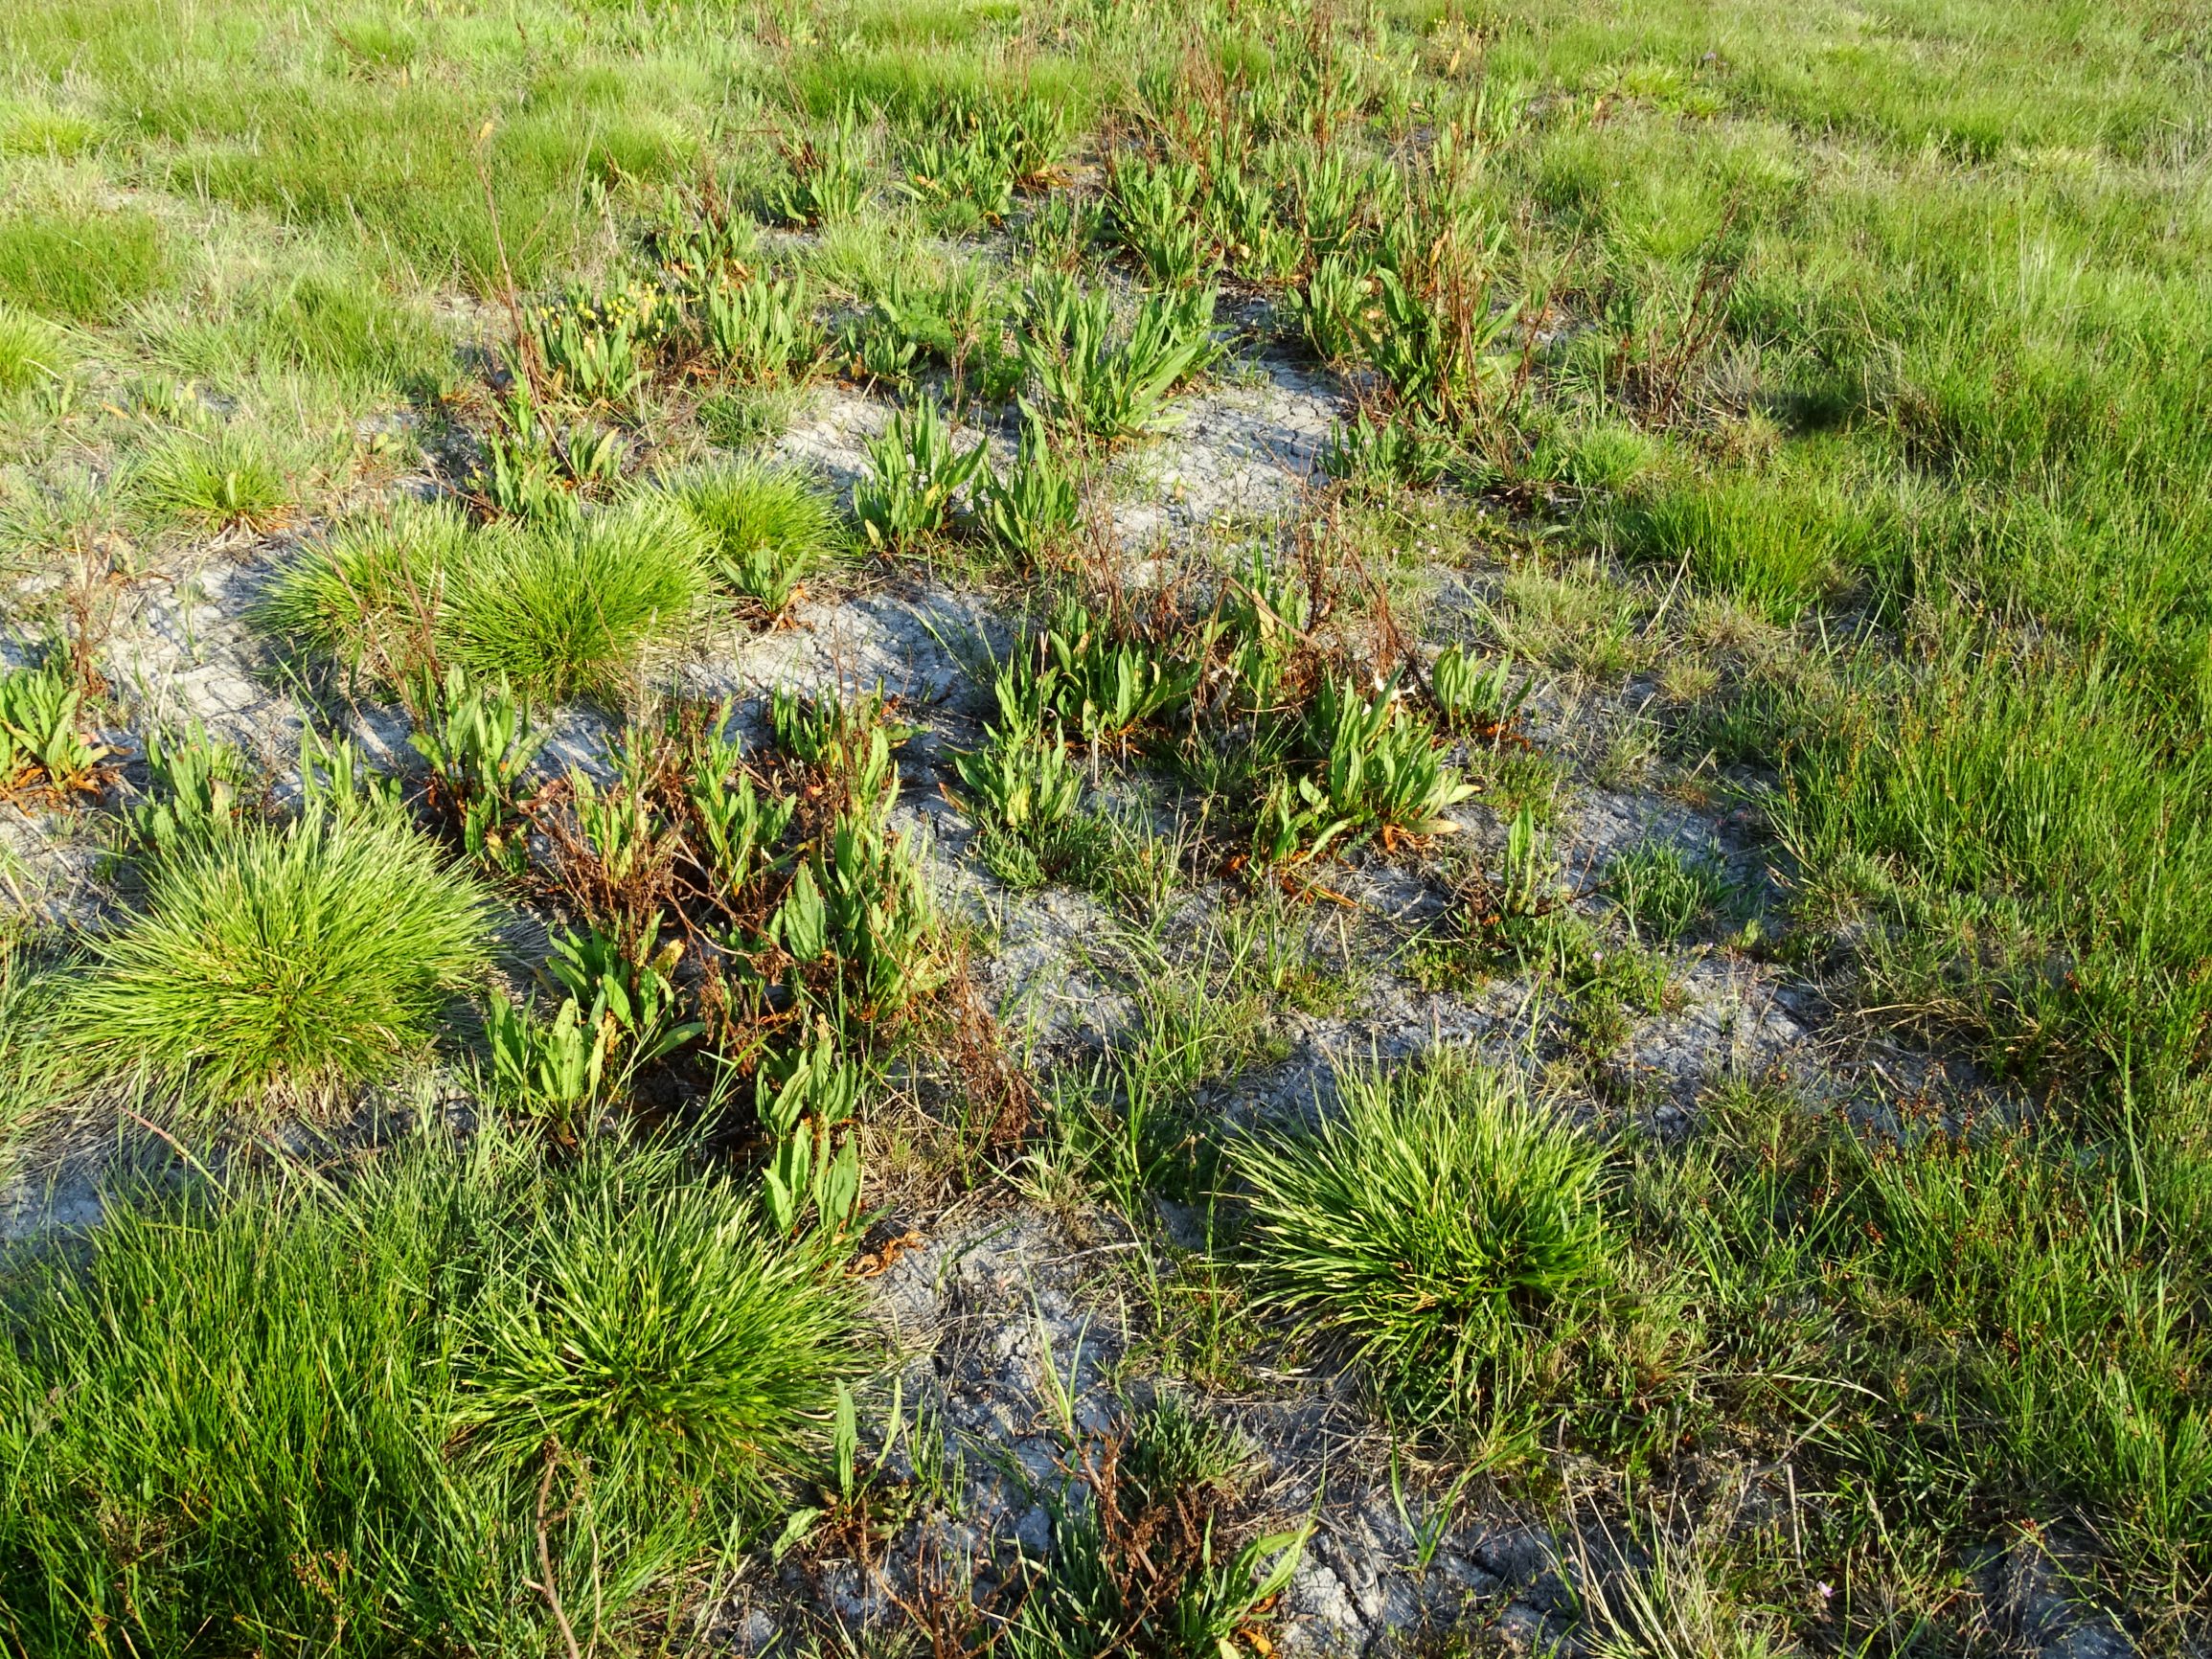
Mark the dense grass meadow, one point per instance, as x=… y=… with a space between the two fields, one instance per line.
x=632 y=688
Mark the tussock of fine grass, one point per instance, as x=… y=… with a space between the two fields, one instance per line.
x=768 y=529
x=218 y=481
x=1426 y=1225
x=367 y=595
x=569 y=612
x=317 y=1420
x=30 y=350
x=557 y=611
x=294 y=961
x=668 y=1345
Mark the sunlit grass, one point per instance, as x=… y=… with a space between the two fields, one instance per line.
x=271 y=962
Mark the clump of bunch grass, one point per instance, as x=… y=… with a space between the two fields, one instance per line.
x=223 y=479
x=768 y=529
x=1664 y=892
x=564 y=613
x=668 y=1344
x=454 y=1400
x=1427 y=1225
x=31 y=350
x=289 y=960
x=556 y=610
x=367 y=595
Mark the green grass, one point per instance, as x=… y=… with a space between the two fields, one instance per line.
x=404 y=1358
x=30 y=352
x=279 y=963
x=1981 y=1324
x=668 y=1344
x=561 y=613
x=224 y=480
x=1663 y=892
x=2001 y=808
x=367 y=593
x=768 y=529
x=1425 y=1226
x=346 y=325
x=82 y=265
x=1838 y=376
x=558 y=611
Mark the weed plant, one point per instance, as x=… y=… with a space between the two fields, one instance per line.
x=955 y=322
x=201 y=791
x=762 y=328
x=916 y=475
x=1099 y=383
x=826 y=181
x=1141 y=1562
x=1031 y=507
x=42 y=738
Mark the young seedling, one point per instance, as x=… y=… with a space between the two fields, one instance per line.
x=478 y=743
x=40 y=738
x=1158 y=210
x=197 y=792
x=1380 y=765
x=915 y=474
x=806 y=1102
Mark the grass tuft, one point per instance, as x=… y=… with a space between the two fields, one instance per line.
x=319 y=1417
x=768 y=529
x=30 y=352
x=562 y=613
x=294 y=961
x=666 y=1343
x=222 y=481
x=367 y=594
x=1426 y=1225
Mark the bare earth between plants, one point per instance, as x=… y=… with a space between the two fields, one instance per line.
x=1035 y=828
